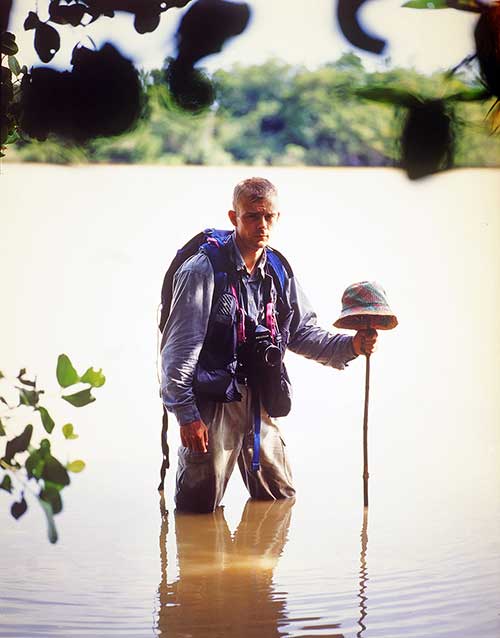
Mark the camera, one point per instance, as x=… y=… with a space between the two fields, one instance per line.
x=265 y=352
x=257 y=353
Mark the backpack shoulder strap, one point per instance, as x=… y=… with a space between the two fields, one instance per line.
x=280 y=269
x=204 y=239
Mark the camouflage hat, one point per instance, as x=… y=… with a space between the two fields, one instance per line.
x=364 y=305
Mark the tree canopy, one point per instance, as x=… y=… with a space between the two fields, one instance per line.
x=277 y=114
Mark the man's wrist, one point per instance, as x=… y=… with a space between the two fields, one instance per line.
x=187 y=414
x=356 y=354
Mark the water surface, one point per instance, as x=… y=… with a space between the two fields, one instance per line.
x=82 y=255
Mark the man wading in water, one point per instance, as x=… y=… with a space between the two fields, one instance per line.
x=236 y=306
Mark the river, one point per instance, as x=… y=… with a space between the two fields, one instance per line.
x=83 y=251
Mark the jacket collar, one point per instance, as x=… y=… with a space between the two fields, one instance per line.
x=238 y=261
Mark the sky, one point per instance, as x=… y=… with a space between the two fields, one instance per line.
x=297 y=32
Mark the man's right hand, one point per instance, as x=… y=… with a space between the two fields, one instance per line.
x=194 y=436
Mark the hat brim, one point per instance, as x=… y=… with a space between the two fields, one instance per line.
x=356 y=320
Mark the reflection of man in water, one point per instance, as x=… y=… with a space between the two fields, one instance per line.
x=225 y=585
x=207 y=323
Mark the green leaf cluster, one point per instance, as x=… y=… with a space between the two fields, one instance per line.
x=68 y=376
x=24 y=464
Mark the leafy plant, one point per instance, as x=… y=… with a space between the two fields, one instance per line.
x=11 y=79
x=29 y=467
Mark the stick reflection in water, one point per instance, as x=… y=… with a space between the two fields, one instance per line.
x=363 y=574
x=225 y=583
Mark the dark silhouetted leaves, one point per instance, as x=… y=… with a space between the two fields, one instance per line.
x=107 y=90
x=65 y=372
x=18 y=444
x=79 y=399
x=32 y=21
x=55 y=472
x=5 y=7
x=487 y=38
x=101 y=96
x=2 y=429
x=45 y=102
x=20 y=377
x=347 y=15
x=8 y=44
x=18 y=509
x=64 y=14
x=68 y=431
x=191 y=89
x=427 y=139
x=6 y=484
x=52 y=496
x=147 y=12
x=206 y=26
x=146 y=22
x=29 y=397
x=94 y=377
x=14 y=65
x=177 y=3
x=76 y=466
x=48 y=422
x=47 y=40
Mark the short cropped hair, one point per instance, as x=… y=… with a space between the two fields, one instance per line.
x=254 y=188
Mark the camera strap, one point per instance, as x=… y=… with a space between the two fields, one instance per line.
x=241 y=335
x=256 y=429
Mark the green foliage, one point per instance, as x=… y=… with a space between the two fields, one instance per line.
x=6 y=484
x=76 y=466
x=68 y=376
x=79 y=399
x=426 y=4
x=47 y=420
x=94 y=377
x=463 y=5
x=276 y=114
x=68 y=431
x=65 y=372
x=27 y=467
x=12 y=75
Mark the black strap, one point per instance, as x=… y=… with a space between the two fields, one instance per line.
x=165 y=450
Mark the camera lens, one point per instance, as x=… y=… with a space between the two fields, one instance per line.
x=272 y=356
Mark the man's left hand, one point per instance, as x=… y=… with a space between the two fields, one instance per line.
x=365 y=341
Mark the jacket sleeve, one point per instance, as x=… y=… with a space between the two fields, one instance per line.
x=312 y=341
x=184 y=334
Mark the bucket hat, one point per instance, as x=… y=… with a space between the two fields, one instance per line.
x=364 y=305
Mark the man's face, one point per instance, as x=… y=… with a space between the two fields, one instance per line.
x=254 y=221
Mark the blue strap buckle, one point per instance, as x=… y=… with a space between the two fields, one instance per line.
x=256 y=431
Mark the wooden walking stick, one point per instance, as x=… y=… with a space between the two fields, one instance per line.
x=366 y=475
x=365 y=307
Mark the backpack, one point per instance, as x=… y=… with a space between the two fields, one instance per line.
x=211 y=240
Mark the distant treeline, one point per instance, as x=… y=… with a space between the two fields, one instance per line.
x=282 y=115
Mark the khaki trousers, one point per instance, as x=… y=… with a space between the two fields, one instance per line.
x=202 y=477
